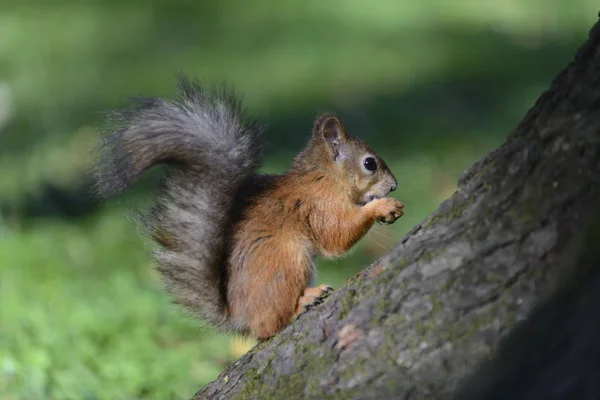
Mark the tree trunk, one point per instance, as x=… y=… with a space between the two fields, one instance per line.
x=424 y=317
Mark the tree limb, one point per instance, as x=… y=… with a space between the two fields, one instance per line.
x=424 y=317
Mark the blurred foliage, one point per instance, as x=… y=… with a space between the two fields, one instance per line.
x=431 y=84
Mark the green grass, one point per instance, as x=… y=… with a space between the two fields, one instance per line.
x=432 y=84
x=82 y=316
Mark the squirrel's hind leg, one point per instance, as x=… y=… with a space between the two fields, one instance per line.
x=311 y=297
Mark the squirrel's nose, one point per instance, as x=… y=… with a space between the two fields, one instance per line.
x=394 y=186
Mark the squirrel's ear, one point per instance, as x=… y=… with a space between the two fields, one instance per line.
x=330 y=128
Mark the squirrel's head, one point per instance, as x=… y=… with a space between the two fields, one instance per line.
x=353 y=162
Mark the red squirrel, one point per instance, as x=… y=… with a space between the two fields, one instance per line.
x=236 y=247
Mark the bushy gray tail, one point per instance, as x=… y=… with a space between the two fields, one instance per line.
x=213 y=150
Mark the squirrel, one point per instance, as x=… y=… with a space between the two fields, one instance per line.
x=234 y=246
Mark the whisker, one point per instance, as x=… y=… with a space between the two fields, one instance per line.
x=372 y=240
x=379 y=231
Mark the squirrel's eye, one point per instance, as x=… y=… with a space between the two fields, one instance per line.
x=370 y=164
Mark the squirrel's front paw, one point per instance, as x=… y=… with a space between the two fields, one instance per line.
x=388 y=210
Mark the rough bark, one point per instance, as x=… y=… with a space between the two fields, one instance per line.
x=425 y=316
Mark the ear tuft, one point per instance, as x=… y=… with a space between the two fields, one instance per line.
x=330 y=128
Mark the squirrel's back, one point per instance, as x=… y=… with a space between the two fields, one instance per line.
x=213 y=151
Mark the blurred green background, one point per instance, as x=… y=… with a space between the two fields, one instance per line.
x=432 y=84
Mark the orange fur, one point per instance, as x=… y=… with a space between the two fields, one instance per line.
x=303 y=215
